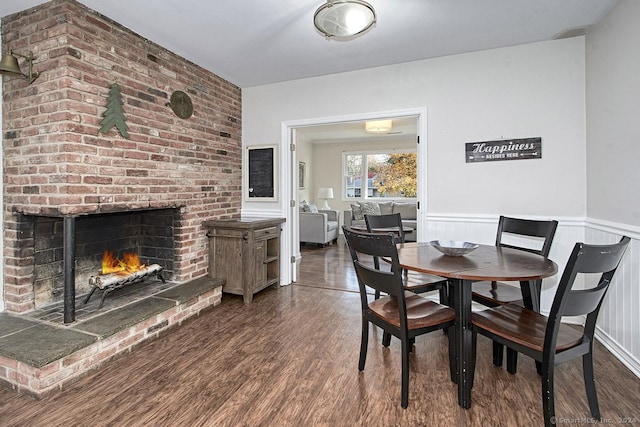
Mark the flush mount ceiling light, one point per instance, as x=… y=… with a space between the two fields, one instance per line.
x=378 y=126
x=344 y=18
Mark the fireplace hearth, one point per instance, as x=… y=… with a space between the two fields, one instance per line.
x=68 y=251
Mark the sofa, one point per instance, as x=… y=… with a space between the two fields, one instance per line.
x=318 y=226
x=408 y=213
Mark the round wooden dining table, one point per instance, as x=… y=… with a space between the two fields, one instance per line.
x=486 y=263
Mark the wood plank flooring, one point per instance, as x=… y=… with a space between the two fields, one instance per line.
x=290 y=359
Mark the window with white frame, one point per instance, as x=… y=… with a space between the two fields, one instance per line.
x=379 y=175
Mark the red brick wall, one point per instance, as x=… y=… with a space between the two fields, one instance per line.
x=57 y=164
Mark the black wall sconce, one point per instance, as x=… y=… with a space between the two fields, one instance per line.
x=9 y=65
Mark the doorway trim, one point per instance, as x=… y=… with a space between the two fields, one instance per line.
x=289 y=183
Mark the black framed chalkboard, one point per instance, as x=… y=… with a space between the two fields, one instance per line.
x=260 y=164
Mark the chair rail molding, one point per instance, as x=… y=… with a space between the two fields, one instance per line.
x=632 y=231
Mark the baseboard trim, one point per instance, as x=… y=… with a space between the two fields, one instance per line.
x=619 y=352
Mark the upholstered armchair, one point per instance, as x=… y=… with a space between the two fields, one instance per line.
x=320 y=227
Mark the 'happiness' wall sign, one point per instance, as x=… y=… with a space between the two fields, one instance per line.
x=506 y=149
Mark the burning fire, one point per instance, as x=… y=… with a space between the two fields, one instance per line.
x=129 y=263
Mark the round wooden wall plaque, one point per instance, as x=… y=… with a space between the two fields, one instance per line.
x=181 y=104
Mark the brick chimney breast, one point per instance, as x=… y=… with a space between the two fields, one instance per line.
x=57 y=164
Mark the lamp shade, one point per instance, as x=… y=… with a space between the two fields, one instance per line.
x=344 y=18
x=325 y=193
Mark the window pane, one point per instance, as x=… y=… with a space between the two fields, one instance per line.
x=353 y=175
x=375 y=163
x=392 y=175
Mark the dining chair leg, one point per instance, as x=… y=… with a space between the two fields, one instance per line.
x=498 y=353
x=472 y=362
x=453 y=361
x=590 y=385
x=446 y=290
x=548 y=398
x=442 y=293
x=386 y=339
x=512 y=360
x=405 y=374
x=364 y=343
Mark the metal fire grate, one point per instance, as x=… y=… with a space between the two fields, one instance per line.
x=110 y=282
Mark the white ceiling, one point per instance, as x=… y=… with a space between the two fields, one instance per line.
x=353 y=132
x=255 y=42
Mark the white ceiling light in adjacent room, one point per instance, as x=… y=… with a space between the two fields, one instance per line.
x=378 y=126
x=344 y=18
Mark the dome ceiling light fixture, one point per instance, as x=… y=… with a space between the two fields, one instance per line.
x=344 y=18
x=378 y=126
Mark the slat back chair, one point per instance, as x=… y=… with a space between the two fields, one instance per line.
x=413 y=280
x=386 y=221
x=493 y=294
x=549 y=341
x=399 y=313
x=374 y=222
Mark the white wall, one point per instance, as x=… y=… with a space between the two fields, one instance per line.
x=522 y=91
x=613 y=172
x=613 y=113
x=304 y=154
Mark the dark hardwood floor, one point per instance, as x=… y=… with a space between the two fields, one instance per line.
x=290 y=359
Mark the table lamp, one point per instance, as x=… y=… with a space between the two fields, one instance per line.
x=326 y=194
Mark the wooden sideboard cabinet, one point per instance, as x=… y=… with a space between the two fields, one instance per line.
x=246 y=253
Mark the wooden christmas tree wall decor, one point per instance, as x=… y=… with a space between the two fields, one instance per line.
x=113 y=115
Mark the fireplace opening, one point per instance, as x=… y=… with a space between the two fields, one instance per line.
x=147 y=233
x=116 y=273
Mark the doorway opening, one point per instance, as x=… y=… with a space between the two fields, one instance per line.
x=319 y=147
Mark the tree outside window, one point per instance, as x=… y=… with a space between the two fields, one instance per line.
x=380 y=175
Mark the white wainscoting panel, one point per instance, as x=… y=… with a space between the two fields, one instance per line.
x=619 y=321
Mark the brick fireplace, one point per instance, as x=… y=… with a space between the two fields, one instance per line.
x=171 y=174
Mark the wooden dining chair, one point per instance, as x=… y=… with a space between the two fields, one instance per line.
x=413 y=281
x=526 y=232
x=400 y=313
x=549 y=341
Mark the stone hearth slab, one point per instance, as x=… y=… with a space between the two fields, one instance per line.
x=53 y=343
x=190 y=290
x=39 y=356
x=114 y=321
x=10 y=324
